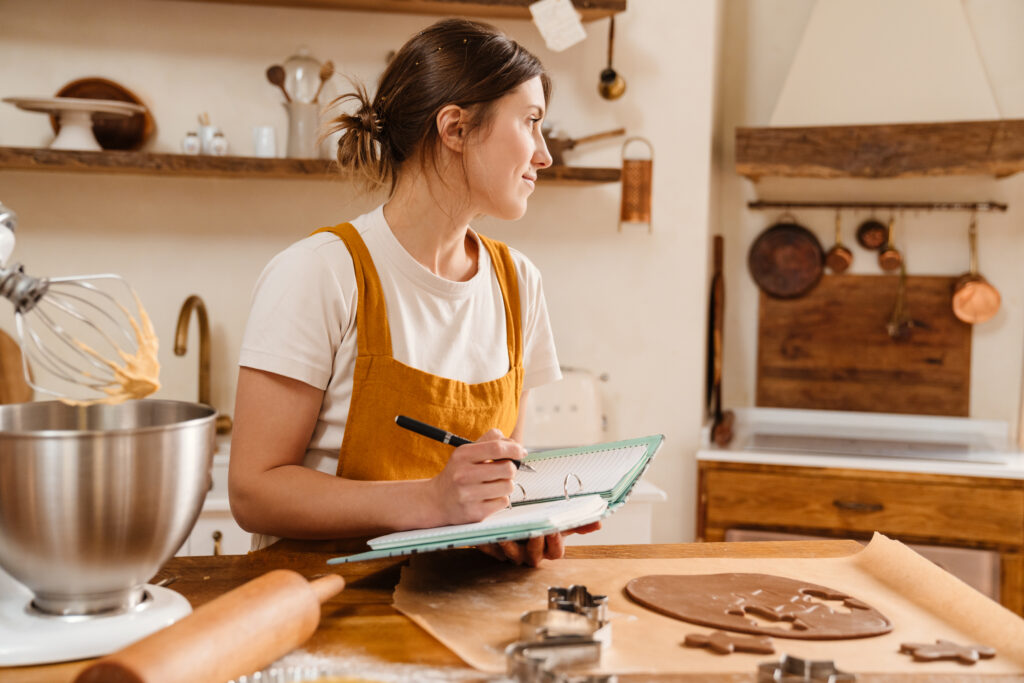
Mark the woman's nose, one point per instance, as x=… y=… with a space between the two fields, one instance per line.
x=541 y=156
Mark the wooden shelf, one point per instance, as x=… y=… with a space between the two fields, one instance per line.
x=494 y=9
x=147 y=163
x=883 y=151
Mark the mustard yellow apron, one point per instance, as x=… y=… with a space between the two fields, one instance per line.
x=374 y=448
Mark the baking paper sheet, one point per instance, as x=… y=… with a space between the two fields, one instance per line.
x=474 y=609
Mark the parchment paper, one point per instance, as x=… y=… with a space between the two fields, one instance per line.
x=474 y=609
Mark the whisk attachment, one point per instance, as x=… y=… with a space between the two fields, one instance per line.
x=78 y=332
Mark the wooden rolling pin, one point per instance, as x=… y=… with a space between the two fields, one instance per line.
x=235 y=634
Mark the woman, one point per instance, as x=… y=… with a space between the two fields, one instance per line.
x=405 y=310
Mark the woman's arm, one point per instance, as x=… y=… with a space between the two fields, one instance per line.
x=271 y=491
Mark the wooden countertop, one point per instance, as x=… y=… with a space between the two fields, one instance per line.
x=385 y=634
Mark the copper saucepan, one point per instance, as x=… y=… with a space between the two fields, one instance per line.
x=838 y=258
x=974 y=299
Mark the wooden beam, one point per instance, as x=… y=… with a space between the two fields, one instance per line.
x=150 y=163
x=493 y=9
x=883 y=151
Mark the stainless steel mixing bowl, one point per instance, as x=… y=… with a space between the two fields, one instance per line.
x=93 y=500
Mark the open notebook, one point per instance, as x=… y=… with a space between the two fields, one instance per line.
x=570 y=488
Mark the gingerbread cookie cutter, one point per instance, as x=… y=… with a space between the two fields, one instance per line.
x=572 y=631
x=795 y=670
x=540 y=661
x=572 y=611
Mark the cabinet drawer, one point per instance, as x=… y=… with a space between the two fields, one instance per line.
x=929 y=510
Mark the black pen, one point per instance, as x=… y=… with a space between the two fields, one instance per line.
x=438 y=434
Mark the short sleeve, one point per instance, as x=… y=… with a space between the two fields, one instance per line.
x=302 y=306
x=540 y=360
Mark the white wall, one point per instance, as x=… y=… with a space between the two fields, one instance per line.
x=631 y=304
x=759 y=41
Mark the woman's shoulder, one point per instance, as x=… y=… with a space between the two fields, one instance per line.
x=320 y=260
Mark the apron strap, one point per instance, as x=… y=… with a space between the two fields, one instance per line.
x=505 y=271
x=373 y=335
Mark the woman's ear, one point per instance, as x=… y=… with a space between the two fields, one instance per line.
x=451 y=127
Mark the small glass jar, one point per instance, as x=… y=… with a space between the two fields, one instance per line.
x=190 y=143
x=219 y=145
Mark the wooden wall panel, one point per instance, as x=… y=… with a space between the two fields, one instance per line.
x=830 y=349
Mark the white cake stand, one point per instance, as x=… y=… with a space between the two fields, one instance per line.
x=76 y=115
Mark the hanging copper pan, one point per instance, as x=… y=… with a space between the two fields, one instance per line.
x=786 y=260
x=974 y=299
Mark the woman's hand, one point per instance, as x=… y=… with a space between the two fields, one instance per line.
x=531 y=551
x=472 y=486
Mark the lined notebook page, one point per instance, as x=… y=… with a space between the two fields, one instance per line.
x=599 y=471
x=555 y=513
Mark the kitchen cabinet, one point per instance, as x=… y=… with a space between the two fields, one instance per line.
x=914 y=507
x=216 y=532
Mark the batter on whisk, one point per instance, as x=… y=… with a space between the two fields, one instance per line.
x=138 y=374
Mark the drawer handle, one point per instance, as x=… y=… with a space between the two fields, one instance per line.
x=217 y=536
x=855 y=506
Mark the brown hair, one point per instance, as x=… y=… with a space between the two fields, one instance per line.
x=454 y=61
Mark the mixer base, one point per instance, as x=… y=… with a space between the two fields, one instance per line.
x=29 y=637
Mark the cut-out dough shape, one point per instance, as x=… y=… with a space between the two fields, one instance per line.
x=727 y=643
x=946 y=649
x=724 y=601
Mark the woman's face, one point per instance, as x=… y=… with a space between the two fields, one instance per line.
x=502 y=161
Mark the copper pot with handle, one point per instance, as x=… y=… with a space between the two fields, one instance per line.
x=974 y=299
x=838 y=258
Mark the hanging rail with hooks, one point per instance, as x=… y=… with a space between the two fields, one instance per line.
x=879 y=206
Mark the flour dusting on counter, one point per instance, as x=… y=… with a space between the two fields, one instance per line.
x=301 y=667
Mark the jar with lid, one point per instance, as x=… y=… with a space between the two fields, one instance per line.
x=190 y=143
x=219 y=145
x=302 y=76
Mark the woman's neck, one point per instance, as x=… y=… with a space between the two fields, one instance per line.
x=432 y=231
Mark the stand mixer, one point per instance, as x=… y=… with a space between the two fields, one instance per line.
x=93 y=500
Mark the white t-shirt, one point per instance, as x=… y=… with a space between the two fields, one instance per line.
x=302 y=323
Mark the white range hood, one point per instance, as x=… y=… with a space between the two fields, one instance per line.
x=877 y=62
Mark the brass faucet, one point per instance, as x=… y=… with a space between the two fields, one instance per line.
x=180 y=338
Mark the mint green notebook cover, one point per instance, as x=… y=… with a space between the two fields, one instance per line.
x=609 y=470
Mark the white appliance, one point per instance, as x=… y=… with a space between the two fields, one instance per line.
x=570 y=412
x=28 y=636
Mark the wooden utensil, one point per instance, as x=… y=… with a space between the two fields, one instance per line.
x=786 y=260
x=13 y=387
x=889 y=258
x=871 y=234
x=275 y=74
x=838 y=258
x=974 y=299
x=558 y=146
x=114 y=132
x=235 y=634
x=326 y=71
